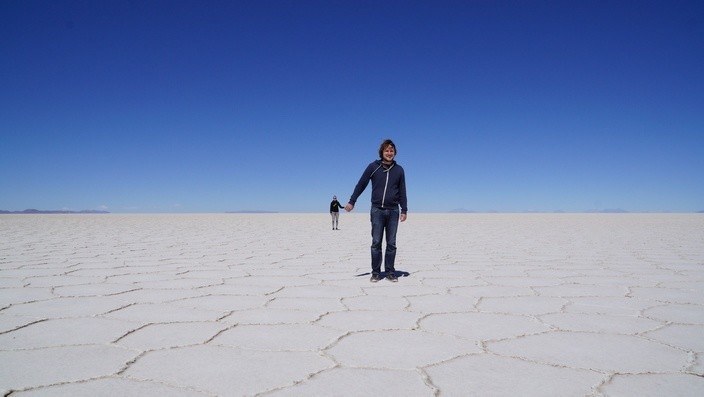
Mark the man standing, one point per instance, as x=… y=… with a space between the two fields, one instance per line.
x=335 y=212
x=388 y=193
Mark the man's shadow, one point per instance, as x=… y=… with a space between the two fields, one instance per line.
x=398 y=273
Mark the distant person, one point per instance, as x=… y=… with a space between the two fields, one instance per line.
x=388 y=193
x=335 y=212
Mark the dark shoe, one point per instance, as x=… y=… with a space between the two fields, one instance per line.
x=392 y=277
x=375 y=277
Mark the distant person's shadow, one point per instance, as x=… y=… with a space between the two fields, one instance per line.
x=398 y=273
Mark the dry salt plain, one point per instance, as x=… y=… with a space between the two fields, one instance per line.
x=279 y=304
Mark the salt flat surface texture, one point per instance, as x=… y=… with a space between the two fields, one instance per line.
x=280 y=304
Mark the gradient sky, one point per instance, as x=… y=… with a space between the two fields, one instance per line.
x=210 y=106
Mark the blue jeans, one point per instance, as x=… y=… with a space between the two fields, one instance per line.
x=384 y=219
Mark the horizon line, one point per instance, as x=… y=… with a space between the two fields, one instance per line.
x=263 y=212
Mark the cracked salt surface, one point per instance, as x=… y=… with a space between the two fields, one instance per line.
x=228 y=305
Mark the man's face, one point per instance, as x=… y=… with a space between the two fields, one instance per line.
x=389 y=153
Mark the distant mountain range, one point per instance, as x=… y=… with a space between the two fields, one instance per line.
x=606 y=211
x=33 y=211
x=251 y=212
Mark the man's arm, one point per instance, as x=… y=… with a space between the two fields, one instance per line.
x=402 y=196
x=359 y=188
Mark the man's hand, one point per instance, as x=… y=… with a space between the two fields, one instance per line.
x=349 y=207
x=403 y=217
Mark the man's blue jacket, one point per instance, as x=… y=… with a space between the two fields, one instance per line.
x=388 y=186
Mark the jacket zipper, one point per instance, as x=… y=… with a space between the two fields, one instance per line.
x=383 y=198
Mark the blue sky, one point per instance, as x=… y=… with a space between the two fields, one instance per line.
x=277 y=105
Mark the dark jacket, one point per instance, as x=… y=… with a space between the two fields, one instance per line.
x=335 y=206
x=388 y=186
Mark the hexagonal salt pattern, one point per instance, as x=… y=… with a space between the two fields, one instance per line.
x=210 y=368
x=603 y=352
x=654 y=385
x=19 y=368
x=484 y=374
x=398 y=349
x=362 y=382
x=486 y=305
x=111 y=387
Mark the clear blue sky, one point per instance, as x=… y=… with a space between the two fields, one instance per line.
x=210 y=106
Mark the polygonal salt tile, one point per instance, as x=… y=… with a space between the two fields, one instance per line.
x=141 y=277
x=227 y=289
x=8 y=323
x=22 y=369
x=678 y=313
x=179 y=283
x=576 y=290
x=223 y=303
x=285 y=337
x=349 y=382
x=330 y=276
x=482 y=326
x=522 y=305
x=623 y=281
x=603 y=323
x=22 y=295
x=163 y=313
x=503 y=376
x=214 y=274
x=159 y=295
x=225 y=370
x=367 y=302
x=670 y=295
x=553 y=273
x=401 y=349
x=110 y=387
x=271 y=316
x=271 y=281
x=160 y=336
x=492 y=291
x=654 y=385
x=369 y=320
x=619 y=306
x=677 y=265
x=682 y=284
x=522 y=281
x=687 y=337
x=12 y=282
x=452 y=282
x=67 y=307
x=429 y=273
x=614 y=353
x=99 y=273
x=60 y=281
x=318 y=291
x=399 y=290
x=94 y=290
x=441 y=303
x=32 y=272
x=502 y=271
x=310 y=304
x=62 y=332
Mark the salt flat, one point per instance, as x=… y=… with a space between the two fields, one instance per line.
x=279 y=304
